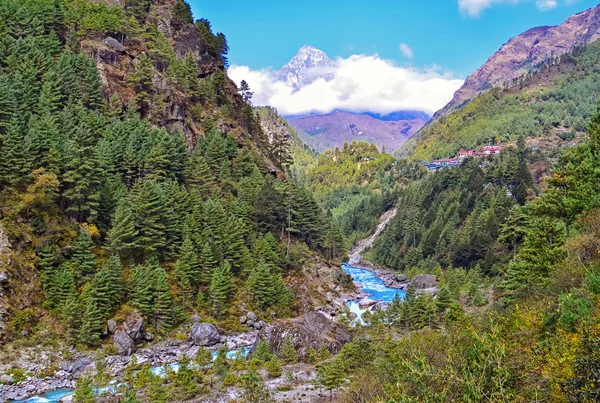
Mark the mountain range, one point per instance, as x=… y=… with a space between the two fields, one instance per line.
x=541 y=84
x=329 y=130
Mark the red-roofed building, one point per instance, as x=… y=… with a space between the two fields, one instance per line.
x=487 y=150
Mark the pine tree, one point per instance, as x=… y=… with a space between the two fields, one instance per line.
x=82 y=179
x=208 y=264
x=220 y=289
x=142 y=291
x=166 y=311
x=46 y=264
x=199 y=178
x=188 y=261
x=261 y=286
x=332 y=375
x=148 y=207
x=288 y=352
x=91 y=323
x=71 y=318
x=14 y=167
x=83 y=260
x=122 y=237
x=444 y=298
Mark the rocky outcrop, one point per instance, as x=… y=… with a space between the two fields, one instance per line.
x=424 y=281
x=310 y=331
x=523 y=52
x=204 y=334
x=124 y=344
x=129 y=334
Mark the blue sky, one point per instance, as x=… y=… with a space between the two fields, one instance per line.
x=389 y=55
x=267 y=33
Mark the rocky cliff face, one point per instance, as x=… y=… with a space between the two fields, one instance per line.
x=523 y=53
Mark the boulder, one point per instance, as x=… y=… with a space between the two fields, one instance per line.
x=204 y=334
x=134 y=327
x=401 y=278
x=243 y=319
x=381 y=306
x=196 y=318
x=80 y=366
x=148 y=336
x=112 y=326
x=3 y=277
x=114 y=44
x=6 y=379
x=423 y=281
x=366 y=302
x=124 y=344
x=252 y=316
x=310 y=331
x=260 y=325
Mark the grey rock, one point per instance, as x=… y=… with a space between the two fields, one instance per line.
x=3 y=277
x=114 y=44
x=80 y=366
x=381 y=306
x=250 y=323
x=134 y=327
x=204 y=334
x=366 y=303
x=148 y=336
x=6 y=379
x=24 y=333
x=260 y=325
x=124 y=343
x=112 y=326
x=401 y=278
x=252 y=316
x=196 y=318
x=243 y=319
x=423 y=281
x=310 y=331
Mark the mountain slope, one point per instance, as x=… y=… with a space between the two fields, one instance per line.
x=552 y=105
x=524 y=52
x=332 y=130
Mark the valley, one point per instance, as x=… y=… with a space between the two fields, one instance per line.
x=166 y=237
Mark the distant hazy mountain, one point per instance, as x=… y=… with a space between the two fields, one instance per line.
x=323 y=131
x=334 y=129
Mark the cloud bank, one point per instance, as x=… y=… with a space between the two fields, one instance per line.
x=474 y=8
x=360 y=83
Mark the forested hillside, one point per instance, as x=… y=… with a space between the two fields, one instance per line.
x=528 y=330
x=157 y=191
x=554 y=103
x=454 y=217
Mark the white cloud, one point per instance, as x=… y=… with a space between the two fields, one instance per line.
x=360 y=83
x=474 y=8
x=406 y=50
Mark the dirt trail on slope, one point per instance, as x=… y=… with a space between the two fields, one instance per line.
x=367 y=242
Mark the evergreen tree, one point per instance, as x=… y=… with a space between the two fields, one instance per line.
x=83 y=260
x=261 y=286
x=122 y=237
x=188 y=262
x=208 y=264
x=142 y=291
x=444 y=298
x=288 y=352
x=332 y=375
x=14 y=167
x=166 y=312
x=148 y=207
x=91 y=323
x=220 y=288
